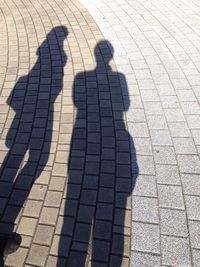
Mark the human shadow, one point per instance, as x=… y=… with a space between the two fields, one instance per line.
x=102 y=170
x=30 y=134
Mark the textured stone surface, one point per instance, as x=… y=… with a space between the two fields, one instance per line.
x=65 y=128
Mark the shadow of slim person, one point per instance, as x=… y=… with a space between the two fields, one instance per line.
x=101 y=171
x=32 y=99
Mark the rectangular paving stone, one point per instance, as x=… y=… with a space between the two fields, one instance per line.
x=175 y=251
x=37 y=192
x=193 y=121
x=146 y=237
x=167 y=174
x=173 y=222
x=32 y=208
x=156 y=122
x=153 y=108
x=27 y=226
x=164 y=155
x=103 y=230
x=194 y=230
x=43 y=234
x=104 y=211
x=121 y=245
x=145 y=186
x=145 y=165
x=184 y=146
x=60 y=245
x=76 y=259
x=65 y=225
x=191 y=184
x=48 y=216
x=53 y=199
x=169 y=101
x=196 y=256
x=37 y=255
x=145 y=209
x=17 y=258
x=160 y=137
x=114 y=261
x=170 y=197
x=59 y=169
x=82 y=232
x=142 y=146
x=122 y=217
x=196 y=136
x=57 y=183
x=100 y=250
x=53 y=261
x=189 y=163
x=138 y=129
x=179 y=129
x=193 y=207
x=144 y=259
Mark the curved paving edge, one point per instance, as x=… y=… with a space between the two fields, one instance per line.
x=44 y=131
x=157 y=47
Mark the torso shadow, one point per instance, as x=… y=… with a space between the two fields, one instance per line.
x=102 y=171
x=30 y=134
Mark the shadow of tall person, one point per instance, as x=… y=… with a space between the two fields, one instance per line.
x=30 y=134
x=102 y=170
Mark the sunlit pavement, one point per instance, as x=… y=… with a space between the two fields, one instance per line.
x=74 y=205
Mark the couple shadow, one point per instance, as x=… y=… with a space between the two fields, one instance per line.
x=93 y=227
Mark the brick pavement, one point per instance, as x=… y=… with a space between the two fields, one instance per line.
x=157 y=48
x=66 y=181
x=73 y=130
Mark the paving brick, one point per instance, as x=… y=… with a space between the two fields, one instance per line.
x=116 y=260
x=195 y=256
x=170 y=196
x=168 y=174
x=164 y=155
x=38 y=192
x=48 y=216
x=145 y=209
x=53 y=199
x=102 y=230
x=53 y=261
x=32 y=208
x=60 y=246
x=191 y=184
x=145 y=165
x=179 y=129
x=175 y=251
x=146 y=237
x=38 y=255
x=194 y=229
x=173 y=222
x=65 y=225
x=57 y=183
x=18 y=258
x=192 y=206
x=189 y=163
x=160 y=88
x=145 y=186
x=160 y=137
x=100 y=250
x=27 y=226
x=184 y=146
x=43 y=234
x=144 y=259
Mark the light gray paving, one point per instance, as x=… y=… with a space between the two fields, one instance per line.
x=157 y=48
